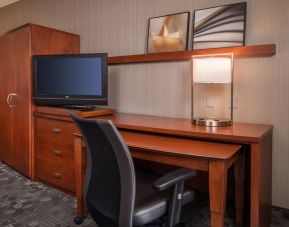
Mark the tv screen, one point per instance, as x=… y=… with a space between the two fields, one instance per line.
x=78 y=79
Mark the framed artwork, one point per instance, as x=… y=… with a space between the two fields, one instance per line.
x=222 y=26
x=168 y=33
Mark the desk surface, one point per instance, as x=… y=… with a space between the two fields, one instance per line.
x=239 y=132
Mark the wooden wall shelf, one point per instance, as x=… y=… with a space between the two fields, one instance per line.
x=242 y=51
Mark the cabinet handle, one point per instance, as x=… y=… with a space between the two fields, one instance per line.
x=56 y=152
x=56 y=130
x=12 y=101
x=56 y=175
x=8 y=99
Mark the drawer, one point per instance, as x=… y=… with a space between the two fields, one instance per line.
x=54 y=151
x=62 y=176
x=56 y=131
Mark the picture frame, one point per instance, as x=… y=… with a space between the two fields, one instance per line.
x=221 y=26
x=168 y=33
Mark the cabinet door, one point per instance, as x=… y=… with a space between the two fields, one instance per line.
x=16 y=118
x=21 y=100
x=6 y=88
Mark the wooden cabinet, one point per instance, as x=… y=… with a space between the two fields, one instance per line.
x=54 y=157
x=16 y=49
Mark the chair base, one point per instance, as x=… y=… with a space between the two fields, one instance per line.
x=78 y=220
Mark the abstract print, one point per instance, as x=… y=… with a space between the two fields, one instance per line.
x=222 y=26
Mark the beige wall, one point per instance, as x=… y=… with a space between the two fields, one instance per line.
x=120 y=27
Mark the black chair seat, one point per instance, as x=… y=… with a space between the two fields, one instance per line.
x=151 y=203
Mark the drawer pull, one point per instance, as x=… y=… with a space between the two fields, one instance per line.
x=56 y=152
x=56 y=175
x=56 y=130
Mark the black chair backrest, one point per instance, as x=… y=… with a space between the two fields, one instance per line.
x=110 y=178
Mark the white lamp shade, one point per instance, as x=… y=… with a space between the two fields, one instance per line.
x=212 y=70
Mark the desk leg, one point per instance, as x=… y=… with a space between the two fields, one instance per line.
x=239 y=175
x=261 y=182
x=80 y=210
x=218 y=191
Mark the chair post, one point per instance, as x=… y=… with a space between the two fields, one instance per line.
x=175 y=205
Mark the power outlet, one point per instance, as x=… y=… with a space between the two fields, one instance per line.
x=210 y=102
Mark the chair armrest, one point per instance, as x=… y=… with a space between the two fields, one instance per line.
x=170 y=179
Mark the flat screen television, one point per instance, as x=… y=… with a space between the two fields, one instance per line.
x=70 y=80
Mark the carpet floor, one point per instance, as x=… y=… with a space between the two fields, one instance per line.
x=32 y=204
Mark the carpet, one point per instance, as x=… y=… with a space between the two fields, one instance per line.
x=33 y=204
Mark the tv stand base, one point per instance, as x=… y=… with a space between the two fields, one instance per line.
x=79 y=108
x=65 y=112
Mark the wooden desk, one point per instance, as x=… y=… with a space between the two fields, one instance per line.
x=137 y=129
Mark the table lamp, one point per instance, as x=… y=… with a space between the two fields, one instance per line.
x=212 y=89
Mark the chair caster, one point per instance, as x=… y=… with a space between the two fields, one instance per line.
x=78 y=220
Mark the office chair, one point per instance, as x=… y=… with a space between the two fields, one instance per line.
x=117 y=195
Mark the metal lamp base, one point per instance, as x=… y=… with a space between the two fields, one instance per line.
x=211 y=122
